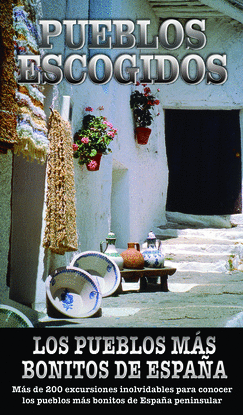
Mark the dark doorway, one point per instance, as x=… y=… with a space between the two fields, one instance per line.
x=204 y=160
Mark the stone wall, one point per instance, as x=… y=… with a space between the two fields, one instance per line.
x=5 y=218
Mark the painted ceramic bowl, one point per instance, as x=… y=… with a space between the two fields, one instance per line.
x=11 y=317
x=102 y=268
x=73 y=292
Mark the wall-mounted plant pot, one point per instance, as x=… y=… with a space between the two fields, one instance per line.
x=94 y=164
x=142 y=135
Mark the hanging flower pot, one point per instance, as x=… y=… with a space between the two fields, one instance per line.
x=93 y=139
x=142 y=134
x=94 y=164
x=142 y=103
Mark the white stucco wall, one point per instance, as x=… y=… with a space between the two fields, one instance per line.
x=128 y=194
x=224 y=36
x=143 y=169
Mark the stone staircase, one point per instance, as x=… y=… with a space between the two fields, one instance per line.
x=202 y=250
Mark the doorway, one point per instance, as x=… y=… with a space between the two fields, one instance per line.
x=204 y=159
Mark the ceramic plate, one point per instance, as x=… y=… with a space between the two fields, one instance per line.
x=11 y=317
x=73 y=292
x=102 y=268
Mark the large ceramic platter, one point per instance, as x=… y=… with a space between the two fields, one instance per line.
x=102 y=268
x=11 y=317
x=73 y=292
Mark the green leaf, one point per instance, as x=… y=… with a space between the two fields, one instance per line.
x=93 y=153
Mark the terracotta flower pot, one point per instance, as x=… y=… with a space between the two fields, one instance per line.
x=94 y=164
x=142 y=134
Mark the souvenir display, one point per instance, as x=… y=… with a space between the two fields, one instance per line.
x=8 y=84
x=60 y=231
x=132 y=256
x=102 y=268
x=110 y=249
x=153 y=257
x=22 y=116
x=73 y=292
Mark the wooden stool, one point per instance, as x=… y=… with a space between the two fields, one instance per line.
x=133 y=275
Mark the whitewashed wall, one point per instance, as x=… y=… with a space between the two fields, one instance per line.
x=224 y=36
x=128 y=194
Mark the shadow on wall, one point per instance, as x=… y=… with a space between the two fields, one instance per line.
x=27 y=207
x=120 y=210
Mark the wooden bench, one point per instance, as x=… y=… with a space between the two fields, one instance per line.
x=133 y=275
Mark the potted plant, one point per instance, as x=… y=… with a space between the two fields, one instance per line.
x=93 y=139
x=142 y=102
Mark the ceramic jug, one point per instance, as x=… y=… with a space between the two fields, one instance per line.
x=111 y=251
x=153 y=257
x=132 y=256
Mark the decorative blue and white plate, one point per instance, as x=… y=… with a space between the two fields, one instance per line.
x=73 y=292
x=102 y=268
x=11 y=317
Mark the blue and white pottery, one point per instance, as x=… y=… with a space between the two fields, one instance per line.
x=102 y=268
x=11 y=317
x=153 y=257
x=73 y=292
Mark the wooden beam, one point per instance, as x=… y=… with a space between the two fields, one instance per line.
x=178 y=14
x=217 y=8
x=175 y=3
x=226 y=8
x=184 y=9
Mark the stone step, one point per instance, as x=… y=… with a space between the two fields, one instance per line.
x=177 y=219
x=185 y=240
x=200 y=267
x=232 y=234
x=192 y=257
x=202 y=249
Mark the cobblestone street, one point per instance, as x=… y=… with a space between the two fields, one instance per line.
x=210 y=301
x=203 y=292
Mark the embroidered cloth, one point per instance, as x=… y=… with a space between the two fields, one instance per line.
x=22 y=116
x=60 y=231
x=8 y=85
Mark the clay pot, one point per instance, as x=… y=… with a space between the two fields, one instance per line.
x=142 y=135
x=94 y=164
x=132 y=256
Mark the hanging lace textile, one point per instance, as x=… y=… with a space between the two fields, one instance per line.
x=23 y=120
x=8 y=85
x=60 y=231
